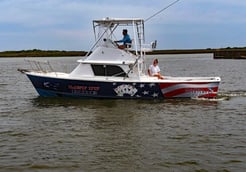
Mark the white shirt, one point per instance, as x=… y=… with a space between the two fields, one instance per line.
x=154 y=70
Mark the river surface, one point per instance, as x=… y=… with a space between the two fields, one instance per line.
x=61 y=134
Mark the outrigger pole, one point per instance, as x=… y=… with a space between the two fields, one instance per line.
x=161 y=10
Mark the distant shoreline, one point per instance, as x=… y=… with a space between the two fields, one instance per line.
x=223 y=53
x=41 y=53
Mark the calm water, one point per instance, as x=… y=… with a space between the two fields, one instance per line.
x=57 y=134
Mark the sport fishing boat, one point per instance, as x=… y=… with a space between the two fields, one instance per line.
x=110 y=72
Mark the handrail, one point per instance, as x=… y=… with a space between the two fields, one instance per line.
x=40 y=66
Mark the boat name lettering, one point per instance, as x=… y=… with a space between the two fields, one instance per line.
x=84 y=92
x=84 y=88
x=198 y=91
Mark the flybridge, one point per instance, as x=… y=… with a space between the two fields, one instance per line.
x=104 y=29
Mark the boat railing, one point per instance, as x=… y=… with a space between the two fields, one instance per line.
x=149 y=47
x=40 y=66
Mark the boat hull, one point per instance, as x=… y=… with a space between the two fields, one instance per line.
x=160 y=89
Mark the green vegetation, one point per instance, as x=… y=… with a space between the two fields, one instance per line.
x=199 y=51
x=41 y=53
x=236 y=52
x=191 y=51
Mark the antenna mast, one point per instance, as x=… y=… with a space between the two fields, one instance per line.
x=161 y=10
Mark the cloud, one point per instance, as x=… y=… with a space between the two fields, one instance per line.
x=220 y=11
x=33 y=13
x=47 y=12
x=53 y=23
x=205 y=11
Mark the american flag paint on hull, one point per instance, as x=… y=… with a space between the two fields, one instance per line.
x=207 y=90
x=61 y=87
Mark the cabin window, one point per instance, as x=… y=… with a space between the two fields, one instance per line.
x=108 y=70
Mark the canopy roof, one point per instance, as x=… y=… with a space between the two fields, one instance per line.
x=119 y=21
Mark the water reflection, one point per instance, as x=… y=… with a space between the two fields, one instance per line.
x=112 y=103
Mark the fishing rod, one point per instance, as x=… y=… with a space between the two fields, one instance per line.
x=161 y=10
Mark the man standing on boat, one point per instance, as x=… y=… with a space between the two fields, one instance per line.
x=154 y=70
x=126 y=40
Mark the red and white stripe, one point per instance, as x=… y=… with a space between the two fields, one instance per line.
x=208 y=90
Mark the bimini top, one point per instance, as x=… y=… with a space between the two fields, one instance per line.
x=119 y=21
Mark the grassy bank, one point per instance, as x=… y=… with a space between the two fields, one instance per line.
x=218 y=53
x=41 y=53
x=56 y=53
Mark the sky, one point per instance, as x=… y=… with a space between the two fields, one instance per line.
x=67 y=24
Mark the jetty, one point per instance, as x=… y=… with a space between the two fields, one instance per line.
x=230 y=54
